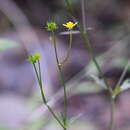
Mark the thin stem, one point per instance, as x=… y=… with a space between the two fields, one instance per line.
x=69 y=6
x=89 y=48
x=111 y=124
x=54 y=115
x=69 y=49
x=90 y=51
x=123 y=74
x=59 y=65
x=39 y=67
x=43 y=96
x=40 y=84
x=83 y=14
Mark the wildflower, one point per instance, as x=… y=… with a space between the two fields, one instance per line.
x=70 y=25
x=33 y=59
x=51 y=26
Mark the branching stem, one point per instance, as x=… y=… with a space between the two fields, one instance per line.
x=38 y=75
x=59 y=65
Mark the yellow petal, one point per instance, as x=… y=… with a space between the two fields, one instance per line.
x=70 y=25
x=64 y=24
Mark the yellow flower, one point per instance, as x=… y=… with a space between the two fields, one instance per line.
x=69 y=25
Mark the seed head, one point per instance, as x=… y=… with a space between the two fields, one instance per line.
x=51 y=26
x=33 y=59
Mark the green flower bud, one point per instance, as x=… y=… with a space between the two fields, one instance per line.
x=37 y=56
x=51 y=26
x=34 y=58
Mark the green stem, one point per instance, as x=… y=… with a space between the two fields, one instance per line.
x=123 y=74
x=89 y=47
x=111 y=124
x=54 y=115
x=90 y=51
x=59 y=65
x=40 y=84
x=69 y=49
x=83 y=4
x=43 y=96
x=39 y=67
x=69 y=6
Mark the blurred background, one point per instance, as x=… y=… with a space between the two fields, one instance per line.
x=22 y=32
